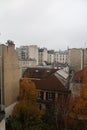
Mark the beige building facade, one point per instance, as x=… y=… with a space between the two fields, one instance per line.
x=27 y=63
x=9 y=77
x=23 y=64
x=28 y=53
x=77 y=58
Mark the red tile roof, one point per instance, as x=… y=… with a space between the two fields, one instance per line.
x=40 y=73
x=52 y=83
x=47 y=79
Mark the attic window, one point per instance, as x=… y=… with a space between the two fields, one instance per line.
x=48 y=71
x=36 y=70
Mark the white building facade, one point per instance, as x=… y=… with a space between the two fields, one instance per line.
x=33 y=53
x=61 y=56
x=22 y=52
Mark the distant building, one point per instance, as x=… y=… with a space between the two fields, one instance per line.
x=50 y=58
x=28 y=57
x=77 y=58
x=9 y=77
x=27 y=63
x=33 y=53
x=61 y=56
x=42 y=55
x=51 y=89
x=28 y=54
x=22 y=52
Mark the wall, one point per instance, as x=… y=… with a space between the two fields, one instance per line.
x=2 y=125
x=33 y=52
x=11 y=75
x=74 y=58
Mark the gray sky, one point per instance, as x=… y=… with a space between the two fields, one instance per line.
x=55 y=24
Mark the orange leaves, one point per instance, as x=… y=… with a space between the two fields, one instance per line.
x=83 y=90
x=27 y=98
x=27 y=111
x=79 y=103
x=77 y=108
x=28 y=90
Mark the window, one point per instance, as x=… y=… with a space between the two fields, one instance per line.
x=50 y=95
x=41 y=95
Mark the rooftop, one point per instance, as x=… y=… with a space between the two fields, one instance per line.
x=45 y=79
x=38 y=72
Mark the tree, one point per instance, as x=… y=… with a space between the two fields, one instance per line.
x=26 y=113
x=28 y=90
x=77 y=108
x=49 y=117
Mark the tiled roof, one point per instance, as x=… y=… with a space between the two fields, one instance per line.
x=47 y=78
x=52 y=83
x=40 y=73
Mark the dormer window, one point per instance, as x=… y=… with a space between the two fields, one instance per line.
x=48 y=71
x=36 y=70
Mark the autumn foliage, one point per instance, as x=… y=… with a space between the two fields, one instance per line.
x=77 y=108
x=28 y=90
x=26 y=112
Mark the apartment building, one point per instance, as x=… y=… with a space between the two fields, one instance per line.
x=27 y=63
x=50 y=85
x=33 y=53
x=2 y=109
x=50 y=58
x=22 y=52
x=28 y=55
x=77 y=58
x=61 y=56
x=42 y=55
x=9 y=77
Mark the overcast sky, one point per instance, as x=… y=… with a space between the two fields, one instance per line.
x=54 y=24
